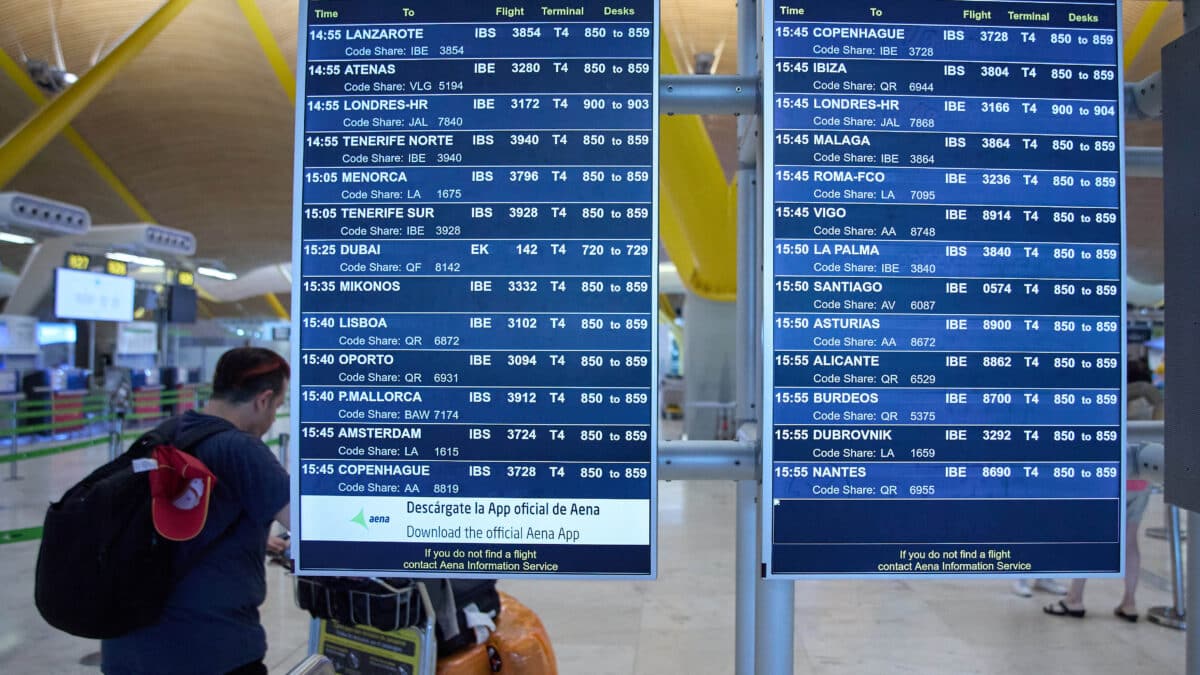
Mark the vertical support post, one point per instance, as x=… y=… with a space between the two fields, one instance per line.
x=116 y=408
x=776 y=636
x=1193 y=593
x=1175 y=528
x=774 y=600
x=91 y=359
x=164 y=344
x=12 y=467
x=748 y=349
x=285 y=441
x=748 y=362
x=746 y=576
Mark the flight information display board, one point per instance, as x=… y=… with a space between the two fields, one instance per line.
x=945 y=348
x=475 y=290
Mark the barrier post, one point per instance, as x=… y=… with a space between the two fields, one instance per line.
x=1176 y=616
x=116 y=406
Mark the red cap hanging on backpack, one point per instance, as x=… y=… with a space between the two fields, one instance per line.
x=181 y=488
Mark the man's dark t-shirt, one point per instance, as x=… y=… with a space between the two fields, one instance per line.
x=211 y=622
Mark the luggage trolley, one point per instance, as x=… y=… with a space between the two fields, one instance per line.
x=370 y=625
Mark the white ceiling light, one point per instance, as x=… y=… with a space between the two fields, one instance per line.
x=135 y=259
x=216 y=273
x=15 y=238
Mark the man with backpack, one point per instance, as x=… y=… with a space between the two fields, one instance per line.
x=210 y=624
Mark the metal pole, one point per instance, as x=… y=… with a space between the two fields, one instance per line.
x=92 y=348
x=117 y=406
x=749 y=341
x=285 y=440
x=775 y=648
x=708 y=460
x=748 y=361
x=1193 y=594
x=1143 y=162
x=709 y=94
x=745 y=576
x=1175 y=616
x=774 y=603
x=12 y=468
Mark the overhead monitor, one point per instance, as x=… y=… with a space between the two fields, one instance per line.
x=475 y=296
x=944 y=244
x=181 y=304
x=92 y=296
x=55 y=333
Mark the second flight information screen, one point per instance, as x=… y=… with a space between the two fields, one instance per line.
x=476 y=295
x=945 y=252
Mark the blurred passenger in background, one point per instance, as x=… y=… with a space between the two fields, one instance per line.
x=1143 y=401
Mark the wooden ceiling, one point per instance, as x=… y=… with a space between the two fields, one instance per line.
x=199 y=128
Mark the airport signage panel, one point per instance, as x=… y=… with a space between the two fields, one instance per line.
x=944 y=368
x=475 y=294
x=91 y=296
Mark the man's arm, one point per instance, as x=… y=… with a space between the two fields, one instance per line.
x=284 y=517
x=275 y=543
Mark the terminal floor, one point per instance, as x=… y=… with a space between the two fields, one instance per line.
x=684 y=622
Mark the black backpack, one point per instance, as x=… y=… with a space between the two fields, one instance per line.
x=102 y=569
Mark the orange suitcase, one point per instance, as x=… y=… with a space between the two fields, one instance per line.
x=520 y=644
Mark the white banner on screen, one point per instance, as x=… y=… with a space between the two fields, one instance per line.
x=92 y=296
x=482 y=520
x=137 y=337
x=18 y=334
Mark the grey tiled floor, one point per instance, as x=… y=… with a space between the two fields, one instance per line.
x=683 y=623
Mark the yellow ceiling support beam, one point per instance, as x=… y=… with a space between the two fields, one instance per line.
x=23 y=144
x=665 y=309
x=277 y=306
x=18 y=76
x=670 y=232
x=1142 y=30
x=694 y=203
x=270 y=47
x=287 y=80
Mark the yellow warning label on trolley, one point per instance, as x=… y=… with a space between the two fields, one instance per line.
x=361 y=650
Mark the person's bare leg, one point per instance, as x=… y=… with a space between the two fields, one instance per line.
x=1074 y=597
x=1133 y=566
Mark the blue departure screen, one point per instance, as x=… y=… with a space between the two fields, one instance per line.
x=475 y=294
x=946 y=315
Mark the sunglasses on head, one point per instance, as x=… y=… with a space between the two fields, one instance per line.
x=263 y=369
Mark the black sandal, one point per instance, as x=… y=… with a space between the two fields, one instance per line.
x=1122 y=614
x=1061 y=609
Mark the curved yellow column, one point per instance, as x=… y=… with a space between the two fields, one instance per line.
x=694 y=210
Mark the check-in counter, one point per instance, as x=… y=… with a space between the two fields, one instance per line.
x=11 y=396
x=147 y=394
x=61 y=393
